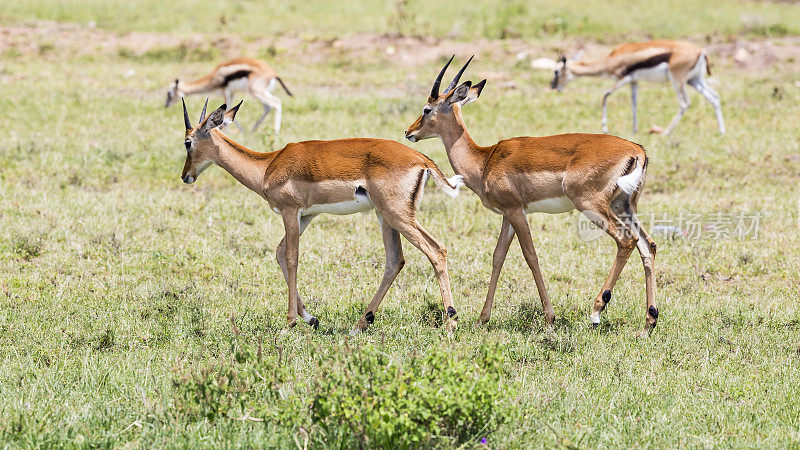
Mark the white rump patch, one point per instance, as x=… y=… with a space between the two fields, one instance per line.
x=456 y=181
x=630 y=182
x=555 y=205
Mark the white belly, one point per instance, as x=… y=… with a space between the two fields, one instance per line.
x=239 y=84
x=555 y=205
x=658 y=74
x=359 y=204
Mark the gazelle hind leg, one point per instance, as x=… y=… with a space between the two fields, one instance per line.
x=394 y=263
x=498 y=258
x=437 y=255
x=711 y=95
x=272 y=103
x=605 y=218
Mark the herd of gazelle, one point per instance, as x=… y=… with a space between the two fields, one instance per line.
x=600 y=175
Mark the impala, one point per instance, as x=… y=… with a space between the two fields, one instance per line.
x=677 y=62
x=341 y=177
x=600 y=175
x=230 y=77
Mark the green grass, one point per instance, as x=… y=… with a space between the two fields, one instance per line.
x=481 y=18
x=117 y=278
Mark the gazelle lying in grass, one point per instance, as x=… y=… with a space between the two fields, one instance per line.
x=230 y=77
x=343 y=176
x=677 y=62
x=600 y=175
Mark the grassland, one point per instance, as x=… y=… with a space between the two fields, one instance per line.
x=116 y=278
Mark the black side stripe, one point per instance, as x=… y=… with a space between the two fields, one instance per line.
x=648 y=63
x=418 y=187
x=235 y=76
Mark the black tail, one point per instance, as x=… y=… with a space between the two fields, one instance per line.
x=284 y=86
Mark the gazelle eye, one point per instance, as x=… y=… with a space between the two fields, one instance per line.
x=188 y=144
x=426 y=110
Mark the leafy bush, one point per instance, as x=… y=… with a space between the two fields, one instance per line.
x=360 y=397
x=248 y=385
x=364 y=397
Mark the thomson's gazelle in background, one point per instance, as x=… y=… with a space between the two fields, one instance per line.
x=600 y=175
x=230 y=77
x=677 y=62
x=344 y=176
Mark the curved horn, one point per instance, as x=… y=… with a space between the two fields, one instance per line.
x=203 y=114
x=454 y=83
x=186 y=116
x=435 y=88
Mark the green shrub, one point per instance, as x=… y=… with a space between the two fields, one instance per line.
x=366 y=398
x=248 y=384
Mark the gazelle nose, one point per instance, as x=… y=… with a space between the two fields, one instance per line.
x=410 y=136
x=188 y=179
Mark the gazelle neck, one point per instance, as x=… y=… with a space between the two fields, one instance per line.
x=588 y=68
x=198 y=86
x=467 y=158
x=247 y=166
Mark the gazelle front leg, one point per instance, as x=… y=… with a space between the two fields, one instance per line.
x=683 y=104
x=498 y=258
x=634 y=99
x=519 y=221
x=280 y=255
x=394 y=263
x=291 y=223
x=621 y=82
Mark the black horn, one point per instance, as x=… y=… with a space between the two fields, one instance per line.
x=454 y=83
x=186 y=116
x=435 y=88
x=203 y=114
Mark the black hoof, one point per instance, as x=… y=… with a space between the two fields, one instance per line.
x=653 y=311
x=369 y=317
x=606 y=296
x=451 y=311
x=595 y=325
x=314 y=322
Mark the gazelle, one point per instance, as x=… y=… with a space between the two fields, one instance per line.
x=677 y=62
x=600 y=175
x=341 y=177
x=230 y=77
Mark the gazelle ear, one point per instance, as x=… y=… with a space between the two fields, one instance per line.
x=214 y=119
x=459 y=94
x=230 y=115
x=467 y=93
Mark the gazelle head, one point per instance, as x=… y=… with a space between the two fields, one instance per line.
x=440 y=106
x=172 y=94
x=200 y=149
x=562 y=75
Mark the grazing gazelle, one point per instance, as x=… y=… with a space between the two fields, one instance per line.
x=230 y=77
x=597 y=174
x=677 y=62
x=341 y=177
